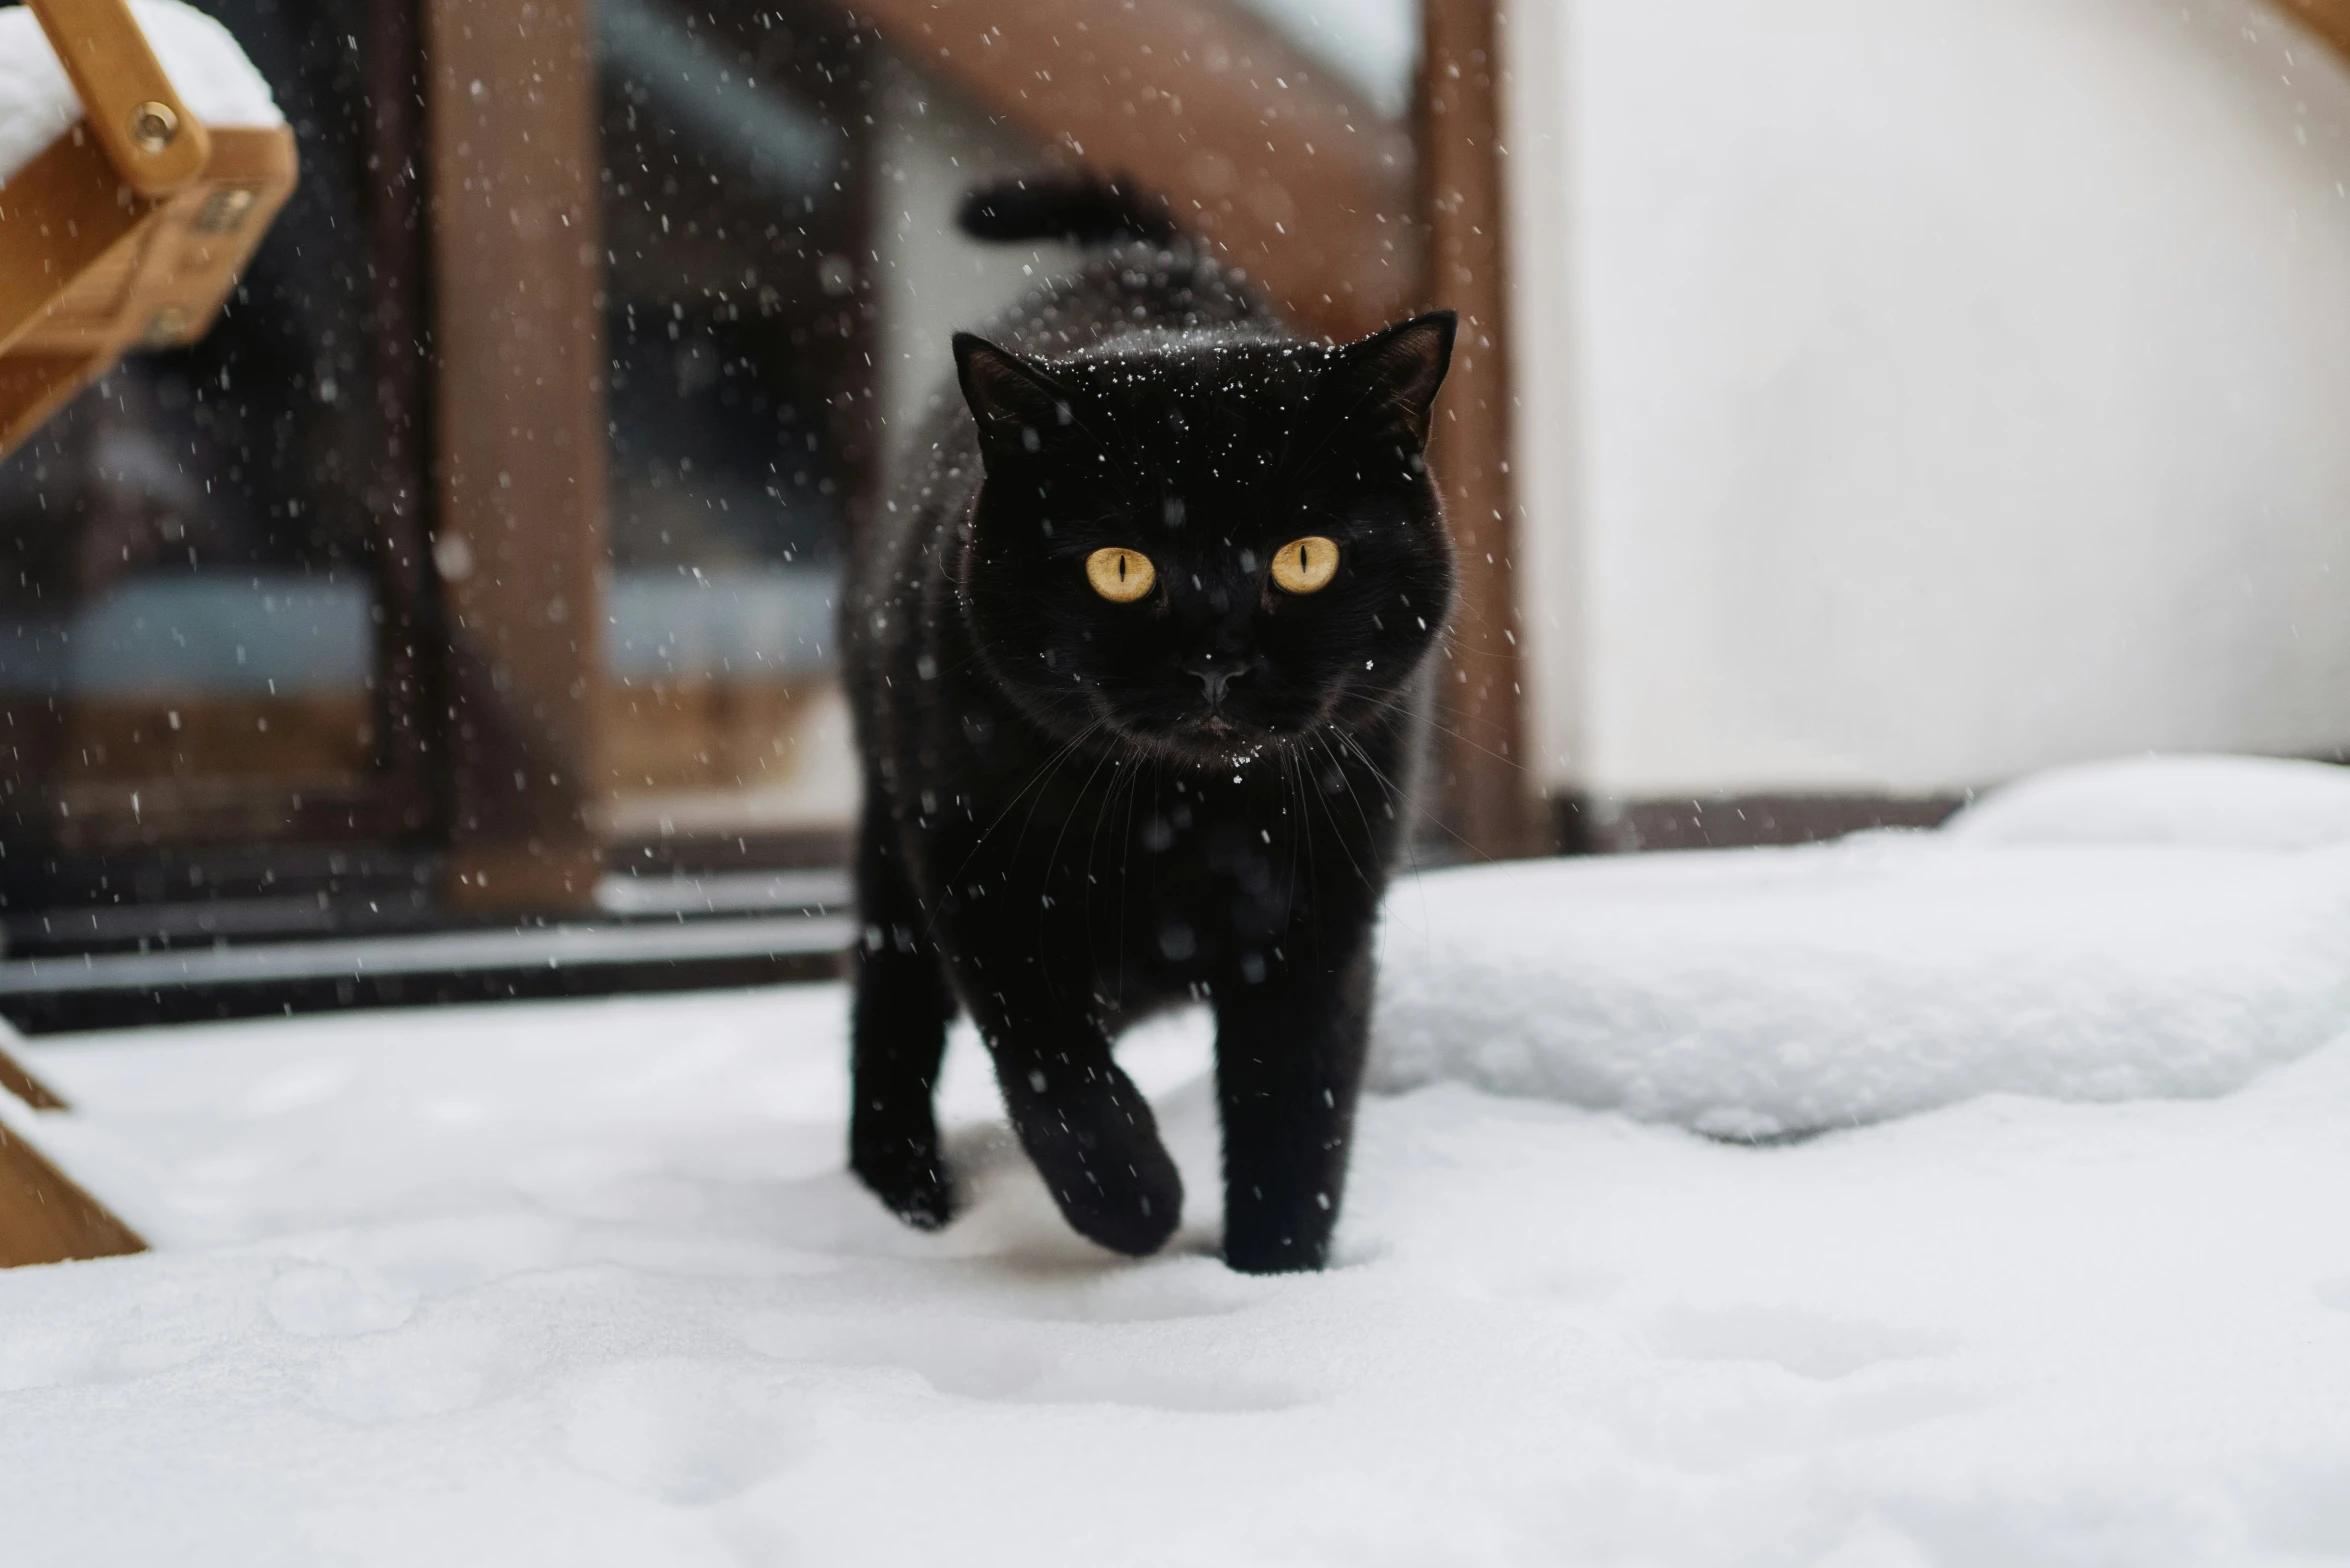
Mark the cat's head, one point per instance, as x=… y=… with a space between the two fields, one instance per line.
x=1207 y=545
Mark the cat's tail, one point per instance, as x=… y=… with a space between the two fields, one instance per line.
x=1083 y=209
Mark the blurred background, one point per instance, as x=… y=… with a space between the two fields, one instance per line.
x=1859 y=405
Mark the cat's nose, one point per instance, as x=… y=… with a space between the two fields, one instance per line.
x=1214 y=676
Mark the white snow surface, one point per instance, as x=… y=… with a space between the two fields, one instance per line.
x=37 y=103
x=2168 y=926
x=2212 y=802
x=585 y=1283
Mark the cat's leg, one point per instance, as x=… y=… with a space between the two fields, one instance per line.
x=1289 y=1066
x=1085 y=1125
x=902 y=1009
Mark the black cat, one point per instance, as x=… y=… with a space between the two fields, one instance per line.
x=1138 y=655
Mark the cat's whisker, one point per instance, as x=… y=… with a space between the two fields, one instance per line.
x=1365 y=878
x=1444 y=729
x=1339 y=766
x=1053 y=856
x=1397 y=793
x=1035 y=781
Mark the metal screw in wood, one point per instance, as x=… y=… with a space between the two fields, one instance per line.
x=154 y=126
x=225 y=209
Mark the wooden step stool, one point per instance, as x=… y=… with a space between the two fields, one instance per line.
x=127 y=231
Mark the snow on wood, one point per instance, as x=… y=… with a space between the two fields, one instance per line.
x=37 y=103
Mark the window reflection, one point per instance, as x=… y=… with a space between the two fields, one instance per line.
x=738 y=322
x=196 y=604
x=221 y=626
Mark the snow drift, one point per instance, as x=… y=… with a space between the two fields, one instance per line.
x=2165 y=927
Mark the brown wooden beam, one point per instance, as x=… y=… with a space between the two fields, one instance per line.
x=519 y=438
x=1491 y=796
x=44 y=1216
x=2329 y=19
x=1291 y=173
x=18 y=1080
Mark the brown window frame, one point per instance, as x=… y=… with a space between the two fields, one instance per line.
x=488 y=519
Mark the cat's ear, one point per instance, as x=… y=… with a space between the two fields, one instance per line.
x=1388 y=381
x=1018 y=408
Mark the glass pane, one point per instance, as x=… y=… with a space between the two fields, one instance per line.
x=1370 y=45
x=785 y=272
x=738 y=332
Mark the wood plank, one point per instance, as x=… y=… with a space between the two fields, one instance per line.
x=18 y=1080
x=149 y=135
x=88 y=269
x=165 y=285
x=1289 y=171
x=60 y=217
x=45 y=1218
x=519 y=439
x=1491 y=795
x=106 y=771
x=701 y=733
x=2329 y=19
x=210 y=230
x=292 y=737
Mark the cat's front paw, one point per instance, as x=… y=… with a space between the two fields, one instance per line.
x=1283 y=1255
x=910 y=1178
x=1134 y=1215
x=1262 y=1237
x=1133 y=1218
x=1113 y=1179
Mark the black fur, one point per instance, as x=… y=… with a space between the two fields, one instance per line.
x=1062 y=829
x=1071 y=207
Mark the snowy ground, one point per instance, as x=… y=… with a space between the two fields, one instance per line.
x=583 y=1283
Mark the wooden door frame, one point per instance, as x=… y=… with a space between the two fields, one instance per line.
x=1491 y=799
x=2329 y=19
x=519 y=442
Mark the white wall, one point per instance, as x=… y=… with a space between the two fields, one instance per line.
x=930 y=280
x=1372 y=44
x=1916 y=392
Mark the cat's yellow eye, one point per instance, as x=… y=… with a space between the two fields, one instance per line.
x=1120 y=576
x=1306 y=565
